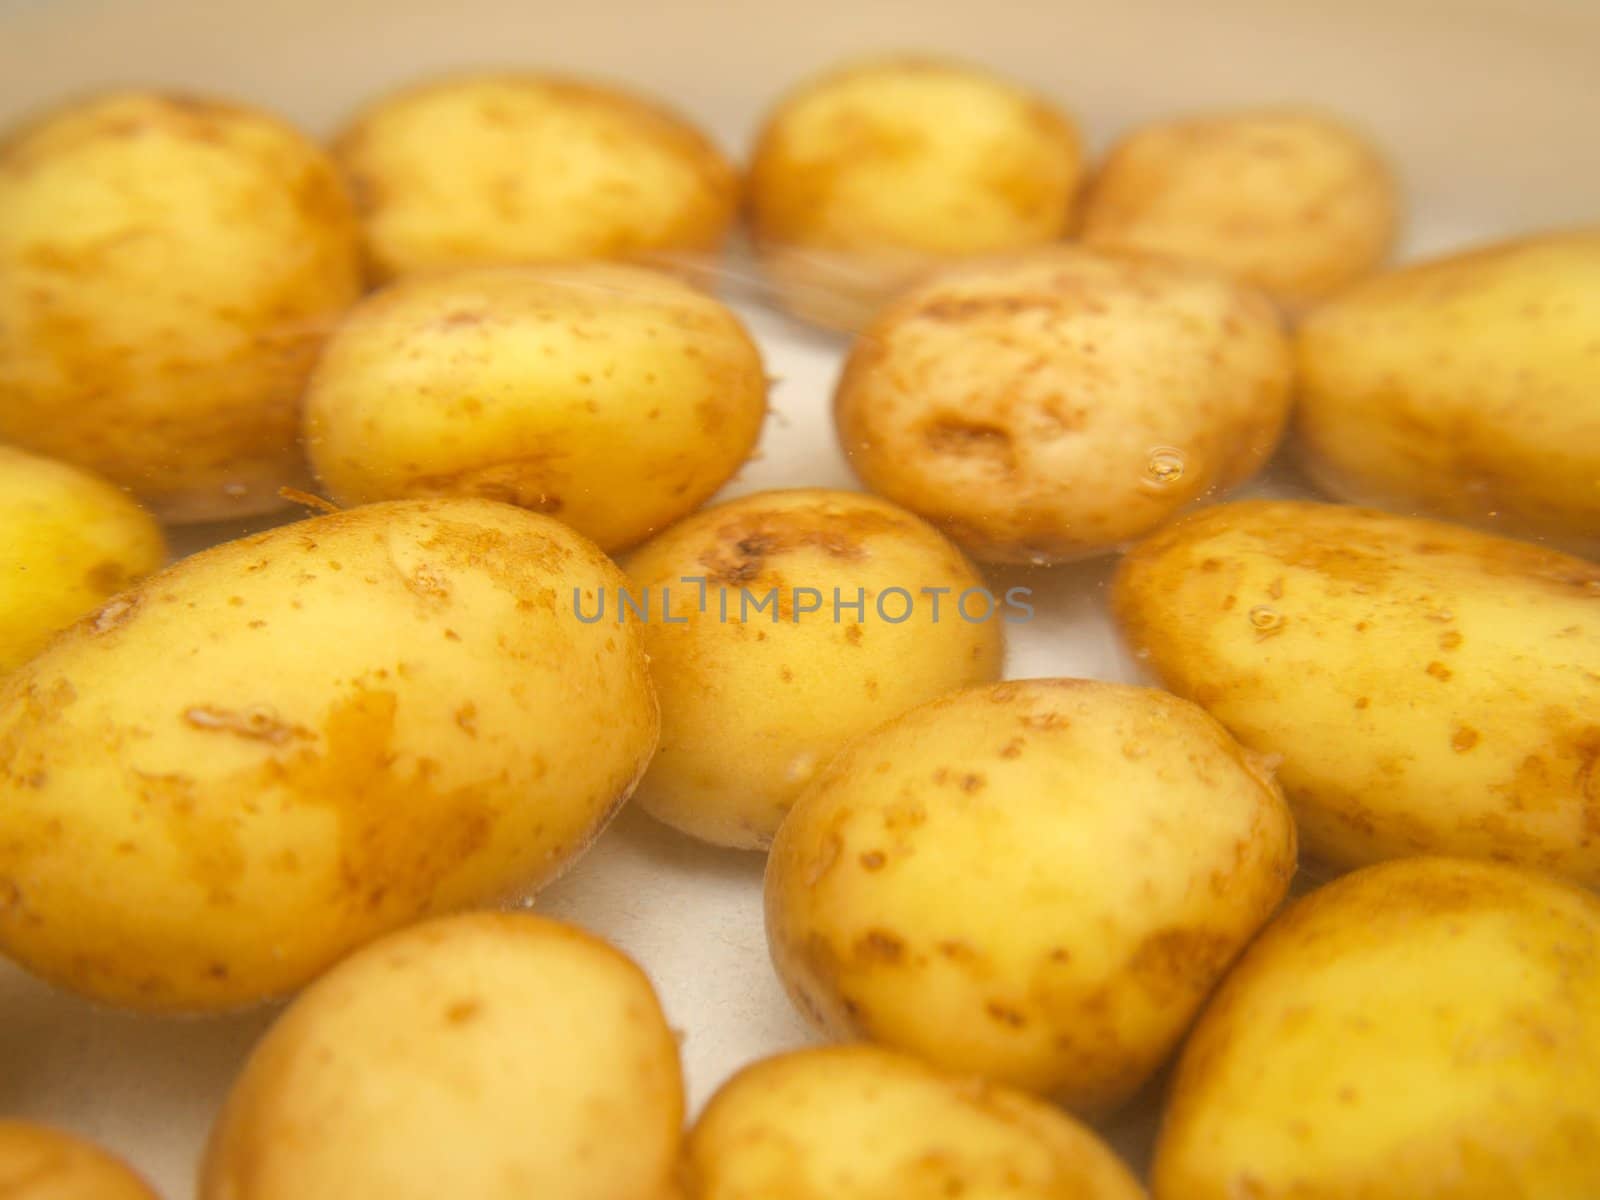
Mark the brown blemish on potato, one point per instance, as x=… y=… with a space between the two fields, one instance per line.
x=259 y=723
x=975 y=441
x=880 y=946
x=105 y=578
x=853 y=635
x=745 y=542
x=873 y=860
x=463 y=1012
x=1005 y=1014
x=1464 y=739
x=1450 y=639
x=1439 y=671
x=467 y=718
x=1363 y=701
x=1181 y=963
x=1046 y=722
x=1013 y=748
x=957 y=951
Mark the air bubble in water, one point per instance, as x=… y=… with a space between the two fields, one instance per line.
x=1266 y=619
x=1165 y=466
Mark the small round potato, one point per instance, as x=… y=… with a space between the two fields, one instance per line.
x=1425 y=688
x=866 y=612
x=40 y=1163
x=613 y=398
x=1294 y=202
x=502 y=168
x=866 y=177
x=67 y=541
x=1421 y=1028
x=168 y=269
x=1466 y=388
x=1036 y=881
x=495 y=1056
x=863 y=1123
x=1054 y=404
x=272 y=752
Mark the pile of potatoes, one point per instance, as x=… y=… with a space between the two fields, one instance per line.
x=319 y=761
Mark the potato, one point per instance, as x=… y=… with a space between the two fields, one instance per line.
x=496 y=1056
x=1429 y=689
x=1466 y=388
x=1052 y=405
x=1292 y=201
x=1036 y=881
x=482 y=169
x=784 y=624
x=40 y=1163
x=613 y=398
x=262 y=757
x=168 y=268
x=67 y=541
x=1420 y=1028
x=861 y=1123
x=866 y=176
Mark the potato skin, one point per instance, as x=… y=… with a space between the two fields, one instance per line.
x=479 y=169
x=1051 y=405
x=68 y=540
x=494 y=1055
x=1036 y=881
x=751 y=709
x=613 y=398
x=273 y=751
x=1466 y=388
x=1423 y=1028
x=1428 y=688
x=1292 y=201
x=869 y=175
x=864 y=1123
x=168 y=268
x=41 y=1163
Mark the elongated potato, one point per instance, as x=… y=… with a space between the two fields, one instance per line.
x=481 y=169
x=1467 y=387
x=493 y=1056
x=869 y=175
x=1293 y=201
x=613 y=398
x=1037 y=881
x=1429 y=689
x=41 y=1163
x=785 y=624
x=1053 y=404
x=273 y=751
x=168 y=268
x=67 y=541
x=1419 y=1028
x=863 y=1123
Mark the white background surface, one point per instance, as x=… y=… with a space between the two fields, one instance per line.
x=1491 y=108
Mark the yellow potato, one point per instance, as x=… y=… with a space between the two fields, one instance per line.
x=865 y=177
x=1292 y=201
x=67 y=541
x=1051 y=405
x=1037 y=881
x=168 y=268
x=1466 y=388
x=260 y=758
x=40 y=1163
x=495 y=168
x=495 y=1056
x=864 y=612
x=861 y=1123
x=1425 y=1028
x=1429 y=689
x=613 y=398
